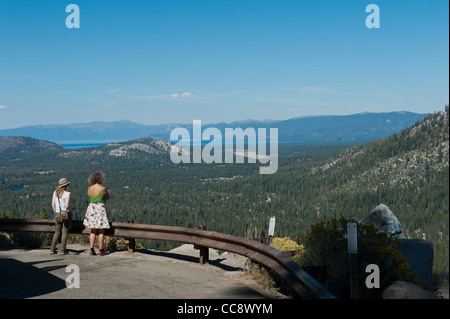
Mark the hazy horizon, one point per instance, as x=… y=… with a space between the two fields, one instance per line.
x=154 y=62
x=211 y=123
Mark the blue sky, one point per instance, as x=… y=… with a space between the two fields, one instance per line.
x=157 y=62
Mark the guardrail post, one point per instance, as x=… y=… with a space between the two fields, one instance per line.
x=131 y=242
x=204 y=251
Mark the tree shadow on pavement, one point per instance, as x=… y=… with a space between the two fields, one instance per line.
x=193 y=259
x=22 y=280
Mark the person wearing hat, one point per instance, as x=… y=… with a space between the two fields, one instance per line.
x=63 y=218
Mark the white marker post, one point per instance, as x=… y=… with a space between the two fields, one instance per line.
x=271 y=230
x=352 y=238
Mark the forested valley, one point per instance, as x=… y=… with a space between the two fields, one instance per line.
x=408 y=172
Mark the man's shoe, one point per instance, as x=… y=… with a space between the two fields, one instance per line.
x=92 y=252
x=53 y=251
x=64 y=252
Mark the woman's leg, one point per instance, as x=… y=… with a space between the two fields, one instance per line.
x=66 y=225
x=101 y=242
x=58 y=227
x=65 y=233
x=92 y=237
x=101 y=238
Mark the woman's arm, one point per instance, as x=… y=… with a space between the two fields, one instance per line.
x=68 y=203
x=105 y=193
x=53 y=203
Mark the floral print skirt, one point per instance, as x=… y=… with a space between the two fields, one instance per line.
x=96 y=217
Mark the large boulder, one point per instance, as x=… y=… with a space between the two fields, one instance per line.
x=405 y=290
x=419 y=253
x=383 y=218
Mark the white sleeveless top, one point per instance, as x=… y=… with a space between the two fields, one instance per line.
x=62 y=200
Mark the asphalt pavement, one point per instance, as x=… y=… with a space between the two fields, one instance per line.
x=145 y=274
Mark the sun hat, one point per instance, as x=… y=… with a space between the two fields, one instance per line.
x=63 y=182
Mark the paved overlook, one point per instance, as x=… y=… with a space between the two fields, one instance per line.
x=145 y=274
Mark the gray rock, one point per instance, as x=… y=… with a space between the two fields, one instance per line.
x=405 y=290
x=419 y=253
x=383 y=218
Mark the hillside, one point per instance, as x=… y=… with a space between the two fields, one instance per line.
x=415 y=159
x=407 y=171
x=404 y=155
x=23 y=145
x=127 y=149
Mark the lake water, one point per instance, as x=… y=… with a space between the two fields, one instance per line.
x=77 y=146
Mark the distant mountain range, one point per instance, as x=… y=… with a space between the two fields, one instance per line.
x=355 y=128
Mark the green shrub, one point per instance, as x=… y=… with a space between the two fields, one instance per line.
x=326 y=244
x=286 y=244
x=29 y=240
x=5 y=240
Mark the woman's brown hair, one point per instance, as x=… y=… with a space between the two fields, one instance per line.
x=96 y=177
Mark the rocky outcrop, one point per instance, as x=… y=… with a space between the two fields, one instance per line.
x=418 y=253
x=405 y=290
x=124 y=150
x=383 y=218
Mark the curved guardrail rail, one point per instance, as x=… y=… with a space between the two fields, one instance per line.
x=300 y=281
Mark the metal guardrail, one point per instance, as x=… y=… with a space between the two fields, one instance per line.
x=300 y=281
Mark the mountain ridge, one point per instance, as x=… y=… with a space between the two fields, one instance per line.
x=354 y=128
